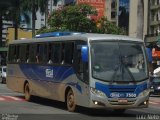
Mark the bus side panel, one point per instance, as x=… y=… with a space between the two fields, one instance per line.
x=47 y=81
x=80 y=89
x=15 y=78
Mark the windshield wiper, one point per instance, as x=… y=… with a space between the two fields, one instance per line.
x=122 y=66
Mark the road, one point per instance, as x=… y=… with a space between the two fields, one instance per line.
x=14 y=107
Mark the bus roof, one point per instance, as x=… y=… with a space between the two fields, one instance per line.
x=57 y=34
x=85 y=37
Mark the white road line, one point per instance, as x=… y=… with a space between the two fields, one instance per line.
x=153 y=103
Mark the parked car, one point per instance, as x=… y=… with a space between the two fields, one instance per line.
x=155 y=86
x=3 y=70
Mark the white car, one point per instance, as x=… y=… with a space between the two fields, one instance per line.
x=3 y=70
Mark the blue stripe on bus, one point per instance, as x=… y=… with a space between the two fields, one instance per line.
x=47 y=73
x=121 y=89
x=60 y=73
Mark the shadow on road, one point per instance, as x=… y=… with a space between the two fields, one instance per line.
x=85 y=111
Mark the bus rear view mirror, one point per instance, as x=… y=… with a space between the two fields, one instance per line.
x=84 y=53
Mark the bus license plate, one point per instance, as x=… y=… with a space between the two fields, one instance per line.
x=122 y=101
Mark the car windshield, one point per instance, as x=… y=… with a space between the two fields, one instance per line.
x=118 y=61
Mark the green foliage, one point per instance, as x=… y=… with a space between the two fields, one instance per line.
x=78 y=18
x=109 y=27
x=73 y=18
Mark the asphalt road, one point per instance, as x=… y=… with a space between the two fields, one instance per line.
x=14 y=107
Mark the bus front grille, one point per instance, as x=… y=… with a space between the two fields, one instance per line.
x=129 y=90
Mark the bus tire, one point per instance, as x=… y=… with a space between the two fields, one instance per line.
x=70 y=101
x=27 y=92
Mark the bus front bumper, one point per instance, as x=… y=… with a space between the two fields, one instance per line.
x=141 y=101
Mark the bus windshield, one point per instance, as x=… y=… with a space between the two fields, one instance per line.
x=118 y=61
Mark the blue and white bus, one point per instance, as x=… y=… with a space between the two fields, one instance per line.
x=85 y=69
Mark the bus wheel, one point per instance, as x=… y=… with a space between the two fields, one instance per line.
x=70 y=101
x=27 y=92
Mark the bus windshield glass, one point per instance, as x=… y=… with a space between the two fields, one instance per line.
x=118 y=61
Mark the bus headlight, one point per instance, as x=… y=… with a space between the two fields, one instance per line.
x=98 y=92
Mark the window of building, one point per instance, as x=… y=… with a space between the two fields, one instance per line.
x=113 y=4
x=113 y=15
x=157 y=2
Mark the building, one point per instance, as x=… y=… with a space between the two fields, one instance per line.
x=3 y=48
x=153 y=37
x=124 y=14
x=154 y=21
x=41 y=19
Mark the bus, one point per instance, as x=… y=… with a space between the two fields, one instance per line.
x=83 y=69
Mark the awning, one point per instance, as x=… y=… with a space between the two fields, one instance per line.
x=3 y=49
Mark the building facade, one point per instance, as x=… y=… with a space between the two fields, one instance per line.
x=154 y=21
x=124 y=14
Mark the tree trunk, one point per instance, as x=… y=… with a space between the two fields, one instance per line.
x=15 y=31
x=1 y=28
x=33 y=19
x=140 y=19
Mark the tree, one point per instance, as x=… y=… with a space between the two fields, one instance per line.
x=14 y=13
x=140 y=19
x=105 y=26
x=79 y=18
x=33 y=6
x=73 y=18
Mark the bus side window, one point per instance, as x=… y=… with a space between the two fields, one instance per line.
x=27 y=54
x=41 y=53
x=68 y=53
x=32 y=53
x=54 y=55
x=22 y=53
x=17 y=54
x=11 y=54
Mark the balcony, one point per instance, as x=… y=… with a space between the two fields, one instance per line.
x=154 y=7
x=151 y=39
x=155 y=23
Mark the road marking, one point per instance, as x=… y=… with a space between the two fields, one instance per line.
x=10 y=98
x=14 y=98
x=153 y=103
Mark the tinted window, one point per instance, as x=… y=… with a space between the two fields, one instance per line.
x=41 y=54
x=55 y=52
x=22 y=53
x=68 y=52
x=32 y=53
